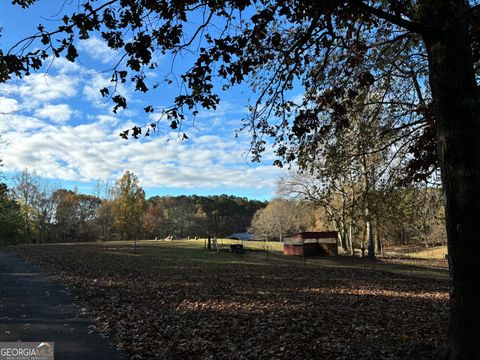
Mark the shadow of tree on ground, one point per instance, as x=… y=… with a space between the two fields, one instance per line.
x=179 y=301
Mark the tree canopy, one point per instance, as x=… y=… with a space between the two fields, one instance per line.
x=37 y=212
x=334 y=50
x=11 y=220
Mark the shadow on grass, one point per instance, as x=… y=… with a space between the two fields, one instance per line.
x=178 y=300
x=194 y=253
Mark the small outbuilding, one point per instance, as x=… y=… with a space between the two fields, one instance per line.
x=310 y=243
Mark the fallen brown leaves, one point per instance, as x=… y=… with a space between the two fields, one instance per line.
x=176 y=302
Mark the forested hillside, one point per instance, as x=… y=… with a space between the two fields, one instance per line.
x=35 y=211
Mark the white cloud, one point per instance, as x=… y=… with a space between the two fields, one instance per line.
x=47 y=88
x=88 y=152
x=8 y=106
x=43 y=132
x=91 y=90
x=18 y=123
x=107 y=119
x=64 y=66
x=56 y=113
x=97 y=49
x=41 y=88
x=94 y=81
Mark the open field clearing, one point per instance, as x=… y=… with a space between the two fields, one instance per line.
x=401 y=252
x=174 y=300
x=418 y=252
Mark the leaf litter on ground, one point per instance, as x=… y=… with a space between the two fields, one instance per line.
x=174 y=302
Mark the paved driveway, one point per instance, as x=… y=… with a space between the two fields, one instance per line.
x=35 y=308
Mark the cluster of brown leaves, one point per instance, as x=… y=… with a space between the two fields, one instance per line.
x=169 y=302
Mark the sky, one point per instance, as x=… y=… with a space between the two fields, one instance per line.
x=56 y=122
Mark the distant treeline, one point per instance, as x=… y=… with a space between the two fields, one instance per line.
x=189 y=216
x=34 y=211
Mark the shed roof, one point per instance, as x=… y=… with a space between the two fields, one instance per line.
x=313 y=235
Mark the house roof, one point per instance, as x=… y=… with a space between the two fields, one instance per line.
x=241 y=236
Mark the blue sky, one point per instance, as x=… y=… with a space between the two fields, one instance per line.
x=57 y=123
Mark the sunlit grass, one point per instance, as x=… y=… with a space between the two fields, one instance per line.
x=416 y=252
x=192 y=253
x=406 y=252
x=255 y=245
x=201 y=243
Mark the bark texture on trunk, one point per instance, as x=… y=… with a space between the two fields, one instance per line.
x=378 y=239
x=370 y=240
x=350 y=238
x=368 y=216
x=457 y=113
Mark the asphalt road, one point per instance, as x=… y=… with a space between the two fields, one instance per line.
x=35 y=308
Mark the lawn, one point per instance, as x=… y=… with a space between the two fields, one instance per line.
x=175 y=300
x=417 y=252
x=400 y=252
x=255 y=245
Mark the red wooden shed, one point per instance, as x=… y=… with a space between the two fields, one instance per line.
x=309 y=243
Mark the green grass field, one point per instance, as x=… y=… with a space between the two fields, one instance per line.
x=251 y=244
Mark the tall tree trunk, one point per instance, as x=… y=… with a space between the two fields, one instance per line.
x=369 y=236
x=350 y=238
x=378 y=239
x=368 y=216
x=345 y=238
x=457 y=113
x=344 y=225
